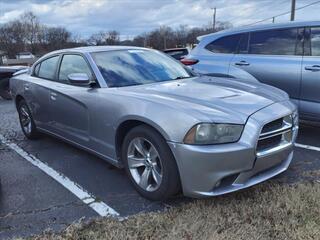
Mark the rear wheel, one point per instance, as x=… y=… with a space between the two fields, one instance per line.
x=26 y=121
x=150 y=164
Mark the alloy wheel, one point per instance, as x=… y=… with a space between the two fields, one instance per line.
x=145 y=164
x=25 y=119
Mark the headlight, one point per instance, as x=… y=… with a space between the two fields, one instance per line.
x=207 y=133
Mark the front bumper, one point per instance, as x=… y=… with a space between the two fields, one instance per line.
x=218 y=169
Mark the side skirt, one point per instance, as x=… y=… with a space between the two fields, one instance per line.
x=104 y=157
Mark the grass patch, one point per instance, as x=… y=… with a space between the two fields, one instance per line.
x=267 y=211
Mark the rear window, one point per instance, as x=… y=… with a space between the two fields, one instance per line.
x=47 y=68
x=273 y=42
x=177 y=54
x=226 y=44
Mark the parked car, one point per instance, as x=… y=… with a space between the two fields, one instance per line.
x=139 y=109
x=6 y=73
x=177 y=53
x=285 y=55
x=25 y=55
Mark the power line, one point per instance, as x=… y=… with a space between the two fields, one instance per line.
x=260 y=7
x=285 y=13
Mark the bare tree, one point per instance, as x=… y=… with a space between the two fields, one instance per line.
x=31 y=29
x=58 y=37
x=12 y=38
x=165 y=37
x=181 y=34
x=113 y=38
x=97 y=38
x=140 y=41
x=105 y=38
x=28 y=34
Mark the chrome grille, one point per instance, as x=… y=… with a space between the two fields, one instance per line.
x=268 y=143
x=274 y=125
x=275 y=135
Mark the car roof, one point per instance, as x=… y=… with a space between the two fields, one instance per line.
x=91 y=49
x=262 y=27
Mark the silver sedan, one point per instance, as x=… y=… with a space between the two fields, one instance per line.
x=170 y=129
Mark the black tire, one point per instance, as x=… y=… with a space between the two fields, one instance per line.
x=170 y=184
x=4 y=89
x=33 y=133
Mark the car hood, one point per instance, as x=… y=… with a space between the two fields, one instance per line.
x=219 y=97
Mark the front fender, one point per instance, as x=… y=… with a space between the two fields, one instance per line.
x=143 y=120
x=171 y=123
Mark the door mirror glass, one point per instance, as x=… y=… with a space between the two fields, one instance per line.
x=81 y=79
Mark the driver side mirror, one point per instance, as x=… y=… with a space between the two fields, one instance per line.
x=80 y=79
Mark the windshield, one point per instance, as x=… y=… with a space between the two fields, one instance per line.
x=134 y=67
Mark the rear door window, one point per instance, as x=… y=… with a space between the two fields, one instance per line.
x=315 y=41
x=243 y=44
x=48 y=68
x=274 y=42
x=226 y=44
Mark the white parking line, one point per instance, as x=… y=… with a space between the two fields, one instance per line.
x=98 y=206
x=307 y=147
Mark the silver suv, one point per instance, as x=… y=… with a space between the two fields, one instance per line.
x=284 y=55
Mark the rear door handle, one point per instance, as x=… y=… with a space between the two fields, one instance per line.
x=314 y=68
x=26 y=87
x=53 y=96
x=242 y=63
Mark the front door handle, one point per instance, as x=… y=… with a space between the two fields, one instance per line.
x=26 y=87
x=53 y=96
x=314 y=68
x=242 y=63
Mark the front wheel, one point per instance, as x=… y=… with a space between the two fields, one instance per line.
x=26 y=121
x=150 y=164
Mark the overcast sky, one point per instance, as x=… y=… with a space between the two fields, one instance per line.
x=131 y=18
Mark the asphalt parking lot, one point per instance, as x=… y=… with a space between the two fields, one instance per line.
x=36 y=197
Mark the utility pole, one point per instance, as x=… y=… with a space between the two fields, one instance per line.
x=293 y=9
x=214 y=18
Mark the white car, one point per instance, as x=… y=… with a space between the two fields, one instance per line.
x=25 y=55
